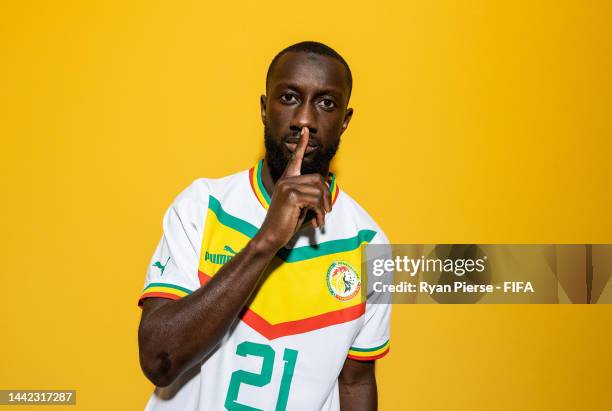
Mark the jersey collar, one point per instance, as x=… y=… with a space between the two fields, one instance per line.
x=264 y=198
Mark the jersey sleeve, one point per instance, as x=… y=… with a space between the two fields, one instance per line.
x=173 y=270
x=372 y=340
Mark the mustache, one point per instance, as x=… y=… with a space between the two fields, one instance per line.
x=294 y=137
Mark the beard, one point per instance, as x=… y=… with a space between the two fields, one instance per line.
x=277 y=160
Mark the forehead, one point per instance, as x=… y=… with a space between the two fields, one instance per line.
x=309 y=70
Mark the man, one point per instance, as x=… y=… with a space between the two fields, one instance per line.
x=242 y=307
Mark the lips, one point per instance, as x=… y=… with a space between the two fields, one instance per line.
x=291 y=145
x=309 y=149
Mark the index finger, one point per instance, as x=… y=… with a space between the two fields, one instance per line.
x=294 y=166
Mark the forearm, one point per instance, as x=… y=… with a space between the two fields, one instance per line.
x=360 y=396
x=357 y=385
x=177 y=335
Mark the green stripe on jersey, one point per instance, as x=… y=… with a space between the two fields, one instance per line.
x=229 y=220
x=176 y=287
x=369 y=349
x=329 y=247
x=295 y=254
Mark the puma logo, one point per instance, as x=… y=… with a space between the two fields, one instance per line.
x=220 y=258
x=160 y=266
x=229 y=249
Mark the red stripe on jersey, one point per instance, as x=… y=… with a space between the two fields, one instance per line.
x=158 y=294
x=373 y=357
x=273 y=331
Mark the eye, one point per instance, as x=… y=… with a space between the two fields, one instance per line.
x=328 y=104
x=288 y=98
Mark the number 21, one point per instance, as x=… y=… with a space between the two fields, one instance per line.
x=263 y=378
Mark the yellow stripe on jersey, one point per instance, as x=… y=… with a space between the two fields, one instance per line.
x=295 y=283
x=257 y=185
x=373 y=353
x=163 y=290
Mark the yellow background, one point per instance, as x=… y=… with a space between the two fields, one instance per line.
x=475 y=121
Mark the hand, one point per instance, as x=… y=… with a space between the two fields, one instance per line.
x=295 y=194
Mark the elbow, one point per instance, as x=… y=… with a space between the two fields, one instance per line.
x=155 y=361
x=157 y=369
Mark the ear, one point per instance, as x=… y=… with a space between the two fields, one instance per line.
x=347 y=119
x=262 y=104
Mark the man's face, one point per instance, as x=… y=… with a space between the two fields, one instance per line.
x=305 y=90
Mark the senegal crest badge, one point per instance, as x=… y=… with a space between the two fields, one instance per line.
x=343 y=281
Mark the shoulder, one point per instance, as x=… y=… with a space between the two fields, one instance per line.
x=349 y=207
x=196 y=196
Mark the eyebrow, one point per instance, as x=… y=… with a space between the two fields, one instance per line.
x=329 y=91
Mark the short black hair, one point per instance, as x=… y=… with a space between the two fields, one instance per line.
x=315 y=48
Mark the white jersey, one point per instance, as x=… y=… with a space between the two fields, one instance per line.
x=309 y=314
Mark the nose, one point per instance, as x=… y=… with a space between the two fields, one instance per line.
x=304 y=116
